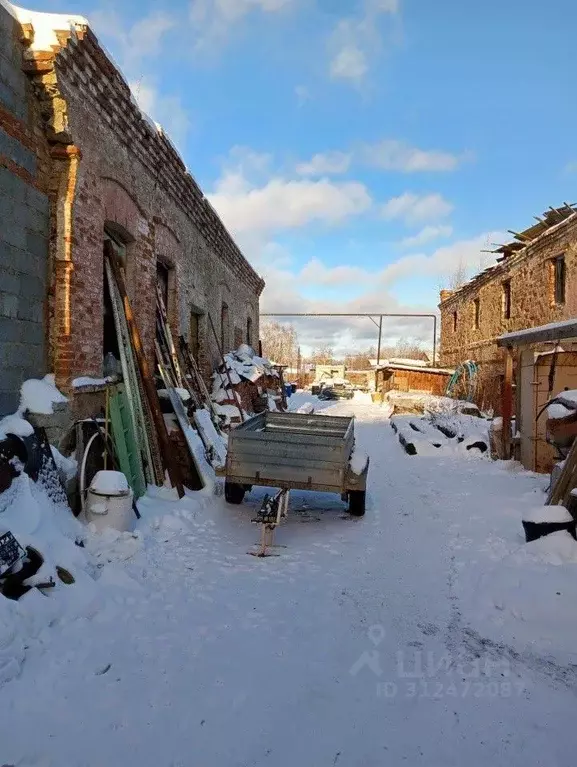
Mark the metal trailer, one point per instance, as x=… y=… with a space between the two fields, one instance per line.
x=295 y=451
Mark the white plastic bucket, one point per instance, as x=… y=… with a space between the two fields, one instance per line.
x=109 y=502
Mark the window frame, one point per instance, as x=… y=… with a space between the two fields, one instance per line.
x=559 y=276
x=507 y=300
x=476 y=313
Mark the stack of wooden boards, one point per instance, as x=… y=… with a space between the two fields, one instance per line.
x=143 y=450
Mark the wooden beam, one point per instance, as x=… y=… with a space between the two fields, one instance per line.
x=507 y=404
x=518 y=236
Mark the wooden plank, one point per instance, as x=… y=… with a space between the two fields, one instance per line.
x=146 y=376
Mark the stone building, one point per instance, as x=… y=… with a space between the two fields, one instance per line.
x=534 y=282
x=108 y=172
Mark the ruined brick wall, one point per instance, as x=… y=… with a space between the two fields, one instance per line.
x=120 y=172
x=24 y=223
x=532 y=303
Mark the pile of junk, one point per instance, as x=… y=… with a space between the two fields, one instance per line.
x=157 y=427
x=561 y=423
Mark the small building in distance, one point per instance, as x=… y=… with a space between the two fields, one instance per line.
x=534 y=282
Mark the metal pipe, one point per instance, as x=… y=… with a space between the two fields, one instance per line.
x=379 y=343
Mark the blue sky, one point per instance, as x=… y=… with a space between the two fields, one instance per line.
x=359 y=150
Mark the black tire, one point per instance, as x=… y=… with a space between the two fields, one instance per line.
x=234 y=493
x=357 y=503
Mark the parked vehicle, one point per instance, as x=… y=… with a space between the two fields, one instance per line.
x=295 y=451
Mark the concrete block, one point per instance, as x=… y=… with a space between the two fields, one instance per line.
x=12 y=186
x=9 y=305
x=30 y=310
x=11 y=330
x=32 y=288
x=8 y=98
x=37 y=200
x=10 y=282
x=31 y=332
x=10 y=257
x=37 y=221
x=14 y=233
x=37 y=244
x=9 y=400
x=7 y=207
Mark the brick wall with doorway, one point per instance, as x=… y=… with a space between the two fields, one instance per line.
x=119 y=174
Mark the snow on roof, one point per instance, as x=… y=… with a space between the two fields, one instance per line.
x=390 y=365
x=45 y=25
x=553 y=331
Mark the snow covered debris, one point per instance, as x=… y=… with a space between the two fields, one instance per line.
x=15 y=424
x=256 y=382
x=215 y=439
x=556 y=410
x=67 y=467
x=39 y=395
x=553 y=514
x=182 y=393
x=110 y=483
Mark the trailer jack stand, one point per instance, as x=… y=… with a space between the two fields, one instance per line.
x=270 y=515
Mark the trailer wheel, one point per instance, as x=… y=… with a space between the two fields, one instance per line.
x=234 y=493
x=357 y=502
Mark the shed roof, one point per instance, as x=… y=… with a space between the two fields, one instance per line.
x=554 y=331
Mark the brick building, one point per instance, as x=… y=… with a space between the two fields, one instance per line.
x=534 y=282
x=112 y=174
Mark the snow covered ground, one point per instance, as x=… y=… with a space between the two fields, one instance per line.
x=409 y=636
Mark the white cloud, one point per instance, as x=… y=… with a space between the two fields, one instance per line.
x=414 y=208
x=356 y=41
x=325 y=164
x=443 y=262
x=285 y=204
x=395 y=155
x=349 y=63
x=317 y=273
x=213 y=20
x=252 y=199
x=427 y=234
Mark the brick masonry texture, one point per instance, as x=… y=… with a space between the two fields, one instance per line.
x=129 y=179
x=532 y=303
x=24 y=217
x=78 y=157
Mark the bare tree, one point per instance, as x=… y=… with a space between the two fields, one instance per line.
x=459 y=276
x=279 y=342
x=324 y=355
x=361 y=360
